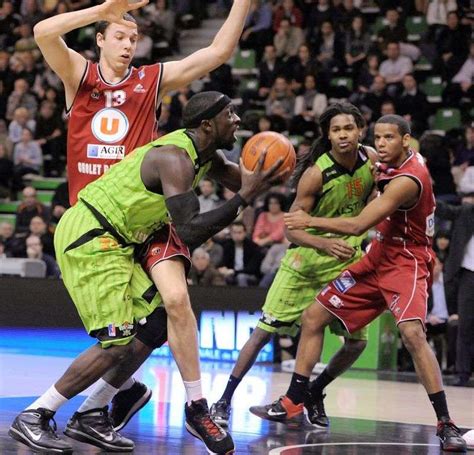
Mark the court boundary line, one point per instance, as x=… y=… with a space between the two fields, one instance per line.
x=279 y=450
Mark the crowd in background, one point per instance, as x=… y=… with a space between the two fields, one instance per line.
x=307 y=54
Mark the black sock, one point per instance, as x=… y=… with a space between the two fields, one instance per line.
x=438 y=400
x=232 y=384
x=320 y=383
x=298 y=388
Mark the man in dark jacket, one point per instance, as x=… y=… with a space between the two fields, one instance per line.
x=459 y=280
x=242 y=258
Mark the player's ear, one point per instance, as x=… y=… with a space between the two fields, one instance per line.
x=406 y=140
x=206 y=125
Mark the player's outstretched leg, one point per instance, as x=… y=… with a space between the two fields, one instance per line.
x=220 y=411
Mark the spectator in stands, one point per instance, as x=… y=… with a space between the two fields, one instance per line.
x=242 y=258
x=7 y=235
x=308 y=107
x=34 y=250
x=346 y=11
x=50 y=136
x=3 y=99
x=221 y=80
x=357 y=45
x=453 y=46
x=394 y=31
x=269 y=68
x=31 y=11
x=21 y=97
x=26 y=41
x=39 y=227
x=433 y=148
x=441 y=245
x=319 y=13
x=9 y=21
x=4 y=139
x=203 y=272
x=163 y=19
x=27 y=158
x=3 y=255
x=179 y=100
x=21 y=120
x=437 y=15
x=288 y=39
x=329 y=48
x=271 y=262
x=388 y=108
x=28 y=209
x=6 y=173
x=459 y=280
x=215 y=251
x=460 y=85
x=376 y=95
x=412 y=104
x=246 y=216
x=208 y=199
x=60 y=202
x=281 y=101
x=367 y=73
x=167 y=123
x=394 y=68
x=301 y=65
x=258 y=28
x=289 y=11
x=437 y=317
x=464 y=153
x=270 y=226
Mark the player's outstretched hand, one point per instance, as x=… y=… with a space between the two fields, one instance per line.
x=298 y=219
x=258 y=181
x=113 y=10
x=337 y=248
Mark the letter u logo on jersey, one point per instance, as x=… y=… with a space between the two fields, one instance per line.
x=110 y=125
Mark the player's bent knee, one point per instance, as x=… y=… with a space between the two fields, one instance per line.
x=120 y=352
x=260 y=337
x=176 y=301
x=311 y=318
x=413 y=335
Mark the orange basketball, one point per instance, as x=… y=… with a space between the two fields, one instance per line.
x=276 y=145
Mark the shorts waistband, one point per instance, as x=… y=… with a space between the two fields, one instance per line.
x=399 y=240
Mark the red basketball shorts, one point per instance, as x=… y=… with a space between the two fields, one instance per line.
x=396 y=276
x=162 y=245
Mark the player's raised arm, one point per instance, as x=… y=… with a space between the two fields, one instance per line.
x=401 y=191
x=65 y=62
x=182 y=72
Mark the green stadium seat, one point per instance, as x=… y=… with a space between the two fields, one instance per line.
x=379 y=24
x=244 y=62
x=47 y=183
x=433 y=88
x=416 y=26
x=9 y=207
x=447 y=119
x=8 y=218
x=423 y=64
x=342 y=82
x=247 y=84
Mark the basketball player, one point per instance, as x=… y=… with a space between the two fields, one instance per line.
x=95 y=242
x=112 y=107
x=334 y=179
x=395 y=274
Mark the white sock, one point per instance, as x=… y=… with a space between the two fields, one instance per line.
x=193 y=390
x=51 y=400
x=127 y=384
x=100 y=396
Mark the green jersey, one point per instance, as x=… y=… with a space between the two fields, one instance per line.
x=122 y=198
x=344 y=193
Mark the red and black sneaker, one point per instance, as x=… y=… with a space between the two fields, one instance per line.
x=450 y=436
x=281 y=410
x=200 y=424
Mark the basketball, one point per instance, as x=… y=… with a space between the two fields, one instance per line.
x=276 y=145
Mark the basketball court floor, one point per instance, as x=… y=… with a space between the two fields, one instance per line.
x=369 y=415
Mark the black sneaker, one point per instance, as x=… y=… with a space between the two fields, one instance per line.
x=127 y=403
x=450 y=436
x=220 y=412
x=201 y=426
x=95 y=427
x=282 y=410
x=32 y=428
x=314 y=410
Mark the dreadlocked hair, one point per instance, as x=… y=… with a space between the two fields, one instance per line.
x=323 y=144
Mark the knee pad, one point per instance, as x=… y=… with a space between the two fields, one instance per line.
x=153 y=332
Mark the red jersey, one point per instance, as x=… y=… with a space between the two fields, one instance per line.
x=415 y=224
x=108 y=121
